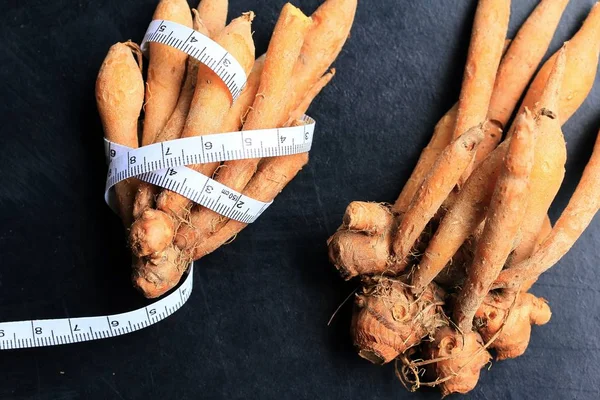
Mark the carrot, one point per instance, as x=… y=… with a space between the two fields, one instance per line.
x=549 y=165
x=461 y=220
x=330 y=27
x=313 y=92
x=580 y=69
x=210 y=103
x=442 y=136
x=369 y=218
x=119 y=97
x=355 y=254
x=214 y=15
x=289 y=32
x=234 y=119
x=517 y=68
x=166 y=71
x=507 y=321
x=434 y=189
x=468 y=211
x=460 y=358
x=157 y=275
x=507 y=210
x=485 y=51
x=146 y=192
x=389 y=319
x=575 y=218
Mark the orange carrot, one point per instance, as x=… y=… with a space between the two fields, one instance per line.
x=234 y=119
x=209 y=105
x=549 y=165
x=575 y=218
x=146 y=193
x=485 y=51
x=330 y=27
x=119 y=96
x=269 y=104
x=288 y=32
x=369 y=218
x=214 y=15
x=460 y=357
x=442 y=136
x=507 y=320
x=461 y=220
x=166 y=71
x=507 y=209
x=517 y=68
x=522 y=58
x=313 y=92
x=580 y=69
x=487 y=41
x=434 y=190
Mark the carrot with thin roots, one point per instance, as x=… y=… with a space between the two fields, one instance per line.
x=330 y=27
x=468 y=211
x=289 y=32
x=505 y=320
x=582 y=207
x=214 y=15
x=145 y=196
x=434 y=190
x=381 y=327
x=507 y=210
x=268 y=107
x=485 y=51
x=369 y=218
x=460 y=357
x=119 y=97
x=209 y=105
x=517 y=68
x=461 y=220
x=310 y=96
x=580 y=69
x=442 y=136
x=234 y=120
x=166 y=71
x=549 y=165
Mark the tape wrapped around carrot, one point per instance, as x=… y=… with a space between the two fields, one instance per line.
x=119 y=96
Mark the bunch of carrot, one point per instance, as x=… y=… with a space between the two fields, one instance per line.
x=446 y=269
x=183 y=98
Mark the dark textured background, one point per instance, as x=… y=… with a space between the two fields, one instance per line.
x=256 y=325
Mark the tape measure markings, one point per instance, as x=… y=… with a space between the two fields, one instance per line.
x=162 y=164
x=200 y=47
x=52 y=332
x=211 y=148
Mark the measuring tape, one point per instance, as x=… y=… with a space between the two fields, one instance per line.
x=200 y=47
x=52 y=332
x=162 y=164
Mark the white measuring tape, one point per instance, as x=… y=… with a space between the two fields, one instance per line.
x=52 y=332
x=200 y=47
x=163 y=164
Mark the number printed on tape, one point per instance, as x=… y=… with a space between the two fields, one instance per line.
x=163 y=164
x=51 y=332
x=202 y=49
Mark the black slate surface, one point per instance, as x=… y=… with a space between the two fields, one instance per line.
x=256 y=325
